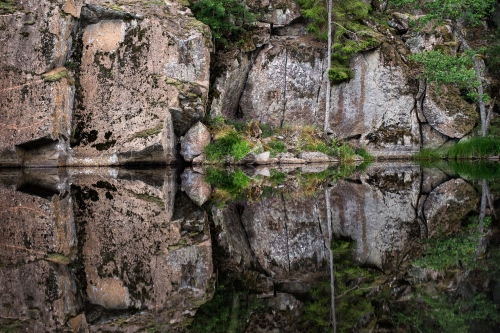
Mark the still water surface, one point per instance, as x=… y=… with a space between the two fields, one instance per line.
x=388 y=247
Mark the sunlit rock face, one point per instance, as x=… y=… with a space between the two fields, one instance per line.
x=378 y=212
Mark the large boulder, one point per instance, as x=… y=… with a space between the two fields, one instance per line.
x=447 y=113
x=144 y=81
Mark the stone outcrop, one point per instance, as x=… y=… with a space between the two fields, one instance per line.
x=136 y=78
x=448 y=113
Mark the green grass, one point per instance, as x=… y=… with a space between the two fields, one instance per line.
x=276 y=147
x=429 y=154
x=475 y=148
x=230 y=145
x=363 y=153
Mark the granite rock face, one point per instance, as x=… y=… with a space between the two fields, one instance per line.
x=447 y=204
x=136 y=78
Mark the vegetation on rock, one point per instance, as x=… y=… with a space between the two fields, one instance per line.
x=227 y=19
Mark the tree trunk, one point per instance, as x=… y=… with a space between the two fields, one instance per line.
x=328 y=65
x=478 y=65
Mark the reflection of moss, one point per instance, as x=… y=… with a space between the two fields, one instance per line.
x=11 y=326
x=7 y=7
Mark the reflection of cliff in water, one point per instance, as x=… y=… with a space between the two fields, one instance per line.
x=100 y=251
x=117 y=250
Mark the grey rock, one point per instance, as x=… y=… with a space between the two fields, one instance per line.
x=262 y=158
x=195 y=186
x=194 y=141
x=250 y=158
x=314 y=157
x=448 y=113
x=292 y=160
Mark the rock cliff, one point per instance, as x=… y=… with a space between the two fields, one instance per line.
x=87 y=83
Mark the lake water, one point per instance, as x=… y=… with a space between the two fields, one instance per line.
x=386 y=247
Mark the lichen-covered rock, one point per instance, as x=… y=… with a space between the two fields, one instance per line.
x=195 y=186
x=143 y=82
x=194 y=142
x=34 y=111
x=54 y=231
x=229 y=85
x=281 y=12
x=447 y=113
x=287 y=85
x=447 y=204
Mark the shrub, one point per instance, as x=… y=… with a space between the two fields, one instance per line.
x=276 y=147
x=230 y=145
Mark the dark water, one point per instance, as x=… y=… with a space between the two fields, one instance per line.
x=400 y=247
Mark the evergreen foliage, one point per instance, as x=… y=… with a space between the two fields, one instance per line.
x=227 y=19
x=350 y=36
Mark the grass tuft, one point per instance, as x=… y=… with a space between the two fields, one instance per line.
x=229 y=145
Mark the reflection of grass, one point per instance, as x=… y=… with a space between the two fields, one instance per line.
x=230 y=182
x=476 y=169
x=229 y=310
x=446 y=252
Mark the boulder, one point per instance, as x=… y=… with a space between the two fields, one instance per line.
x=447 y=113
x=250 y=158
x=314 y=157
x=262 y=158
x=194 y=141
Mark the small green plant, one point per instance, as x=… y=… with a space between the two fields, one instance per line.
x=267 y=130
x=230 y=145
x=55 y=75
x=367 y=157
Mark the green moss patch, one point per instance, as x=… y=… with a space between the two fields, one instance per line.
x=55 y=75
x=149 y=132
